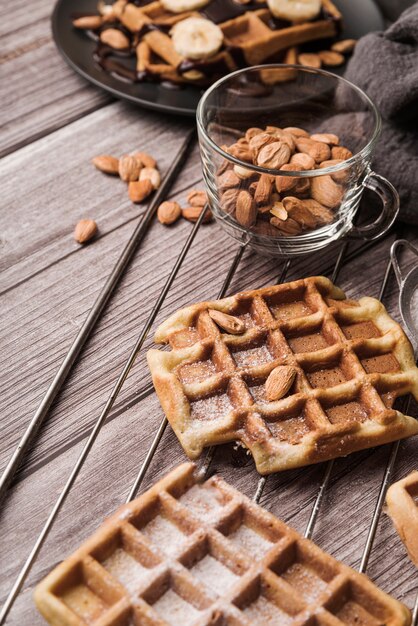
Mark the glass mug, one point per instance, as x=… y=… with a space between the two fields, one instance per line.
x=298 y=210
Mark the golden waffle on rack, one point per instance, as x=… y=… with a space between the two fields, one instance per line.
x=351 y=360
x=402 y=503
x=191 y=554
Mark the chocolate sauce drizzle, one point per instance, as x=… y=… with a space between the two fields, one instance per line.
x=122 y=63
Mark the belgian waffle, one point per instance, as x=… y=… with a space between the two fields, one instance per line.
x=352 y=362
x=251 y=36
x=191 y=554
x=402 y=503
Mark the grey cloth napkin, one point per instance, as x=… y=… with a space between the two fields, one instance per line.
x=385 y=66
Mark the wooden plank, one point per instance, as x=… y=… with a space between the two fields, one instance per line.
x=38 y=91
x=60 y=185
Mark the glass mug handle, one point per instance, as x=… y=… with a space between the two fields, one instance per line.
x=390 y=209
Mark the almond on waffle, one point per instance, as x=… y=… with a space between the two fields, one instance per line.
x=249 y=34
x=187 y=553
x=402 y=503
x=351 y=360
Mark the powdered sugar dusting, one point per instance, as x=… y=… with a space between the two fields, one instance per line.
x=214 y=574
x=309 y=585
x=165 y=535
x=253 y=357
x=251 y=541
x=204 y=502
x=211 y=408
x=264 y=612
x=122 y=566
x=174 y=610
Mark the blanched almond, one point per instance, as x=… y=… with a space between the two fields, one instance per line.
x=243 y=172
x=138 y=191
x=107 y=164
x=114 y=38
x=168 y=212
x=325 y=191
x=278 y=210
x=246 y=210
x=279 y=382
x=151 y=174
x=231 y=324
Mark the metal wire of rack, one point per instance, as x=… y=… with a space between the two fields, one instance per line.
x=342 y=257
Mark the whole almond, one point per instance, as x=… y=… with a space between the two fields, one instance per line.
x=259 y=141
x=282 y=135
x=279 y=382
x=228 y=180
x=168 y=212
x=299 y=212
x=302 y=161
x=192 y=214
x=325 y=191
x=340 y=152
x=197 y=197
x=138 y=191
x=106 y=163
x=229 y=200
x=263 y=190
x=274 y=155
x=296 y=131
x=252 y=132
x=88 y=22
x=286 y=183
x=329 y=138
x=240 y=152
x=114 y=38
x=322 y=213
x=331 y=58
x=310 y=59
x=344 y=46
x=278 y=210
x=129 y=168
x=287 y=227
x=231 y=324
x=85 y=230
x=302 y=188
x=341 y=176
x=146 y=159
x=151 y=174
x=246 y=209
x=316 y=149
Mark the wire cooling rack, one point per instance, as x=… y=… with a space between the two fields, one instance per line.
x=343 y=257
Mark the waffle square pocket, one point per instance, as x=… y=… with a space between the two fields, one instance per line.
x=237 y=565
x=350 y=361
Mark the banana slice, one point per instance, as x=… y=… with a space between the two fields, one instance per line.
x=196 y=38
x=179 y=6
x=295 y=10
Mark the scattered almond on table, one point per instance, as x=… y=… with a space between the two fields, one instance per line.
x=169 y=212
x=139 y=170
x=85 y=230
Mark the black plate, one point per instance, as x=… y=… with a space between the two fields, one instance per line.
x=360 y=17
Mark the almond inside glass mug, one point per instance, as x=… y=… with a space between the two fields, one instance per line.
x=286 y=153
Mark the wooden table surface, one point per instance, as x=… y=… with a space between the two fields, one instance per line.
x=53 y=123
